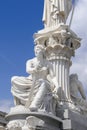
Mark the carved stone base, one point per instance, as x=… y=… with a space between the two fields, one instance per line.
x=17 y=117
x=44 y=121
x=66 y=119
x=73 y=119
x=33 y=121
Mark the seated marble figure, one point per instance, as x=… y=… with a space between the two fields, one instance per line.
x=41 y=88
x=77 y=92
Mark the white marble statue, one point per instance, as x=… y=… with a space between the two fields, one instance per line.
x=56 y=11
x=35 y=91
x=44 y=81
x=77 y=92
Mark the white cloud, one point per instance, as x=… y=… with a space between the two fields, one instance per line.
x=79 y=26
x=5 y=105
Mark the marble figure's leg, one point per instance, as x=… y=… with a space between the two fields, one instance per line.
x=39 y=97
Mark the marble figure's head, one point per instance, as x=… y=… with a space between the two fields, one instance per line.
x=39 y=50
x=73 y=77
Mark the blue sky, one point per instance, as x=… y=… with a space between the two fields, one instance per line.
x=19 y=20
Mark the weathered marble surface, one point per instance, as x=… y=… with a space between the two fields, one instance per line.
x=48 y=97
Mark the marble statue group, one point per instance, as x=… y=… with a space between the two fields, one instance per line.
x=41 y=85
x=49 y=87
x=41 y=89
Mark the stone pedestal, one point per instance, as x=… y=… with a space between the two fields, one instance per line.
x=73 y=119
x=65 y=120
x=17 y=117
x=35 y=121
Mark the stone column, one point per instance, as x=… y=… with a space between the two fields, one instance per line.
x=60 y=44
x=61 y=69
x=59 y=56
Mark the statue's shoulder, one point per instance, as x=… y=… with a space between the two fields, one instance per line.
x=73 y=77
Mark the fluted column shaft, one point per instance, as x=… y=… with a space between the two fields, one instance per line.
x=61 y=66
